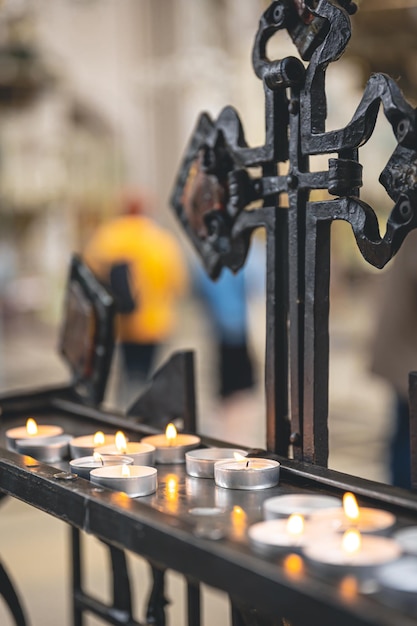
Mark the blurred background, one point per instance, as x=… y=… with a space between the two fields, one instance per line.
x=100 y=95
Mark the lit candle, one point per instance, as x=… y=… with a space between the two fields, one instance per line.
x=31 y=430
x=352 y=550
x=86 y=444
x=247 y=473
x=133 y=480
x=292 y=532
x=172 y=446
x=83 y=465
x=362 y=518
x=200 y=463
x=141 y=453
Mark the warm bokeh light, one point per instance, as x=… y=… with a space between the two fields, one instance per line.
x=351 y=541
x=238 y=457
x=349 y=588
x=295 y=525
x=98 y=458
x=98 y=438
x=350 y=506
x=121 y=442
x=171 y=433
x=239 y=522
x=294 y=566
x=125 y=470
x=171 y=487
x=31 y=426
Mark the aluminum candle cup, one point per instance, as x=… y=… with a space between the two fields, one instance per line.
x=85 y=464
x=304 y=504
x=44 y=431
x=141 y=453
x=247 y=474
x=141 y=480
x=372 y=551
x=200 y=463
x=49 y=449
x=277 y=533
x=172 y=452
x=85 y=446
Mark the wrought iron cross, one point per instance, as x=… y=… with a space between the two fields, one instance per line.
x=215 y=189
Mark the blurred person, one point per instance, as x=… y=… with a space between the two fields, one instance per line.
x=394 y=350
x=226 y=303
x=142 y=265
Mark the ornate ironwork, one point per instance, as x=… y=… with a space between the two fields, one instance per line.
x=215 y=189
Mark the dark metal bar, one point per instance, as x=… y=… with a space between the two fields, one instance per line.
x=193 y=603
x=76 y=569
x=8 y=591
x=413 y=427
x=155 y=613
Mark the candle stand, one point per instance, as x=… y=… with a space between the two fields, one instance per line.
x=192 y=525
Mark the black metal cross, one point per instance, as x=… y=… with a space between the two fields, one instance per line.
x=215 y=189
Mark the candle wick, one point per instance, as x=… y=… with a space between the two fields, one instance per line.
x=247 y=463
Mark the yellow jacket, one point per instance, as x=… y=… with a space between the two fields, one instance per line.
x=157 y=271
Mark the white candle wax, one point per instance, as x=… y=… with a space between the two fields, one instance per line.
x=83 y=465
x=141 y=453
x=200 y=463
x=369 y=520
x=85 y=446
x=373 y=551
x=172 y=451
x=247 y=473
x=275 y=533
x=141 y=481
x=44 y=431
x=303 y=503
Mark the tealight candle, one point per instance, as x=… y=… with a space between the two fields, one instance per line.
x=172 y=446
x=362 y=518
x=400 y=576
x=303 y=503
x=200 y=463
x=48 y=449
x=32 y=430
x=247 y=473
x=133 y=480
x=86 y=444
x=292 y=532
x=141 y=453
x=83 y=465
x=352 y=550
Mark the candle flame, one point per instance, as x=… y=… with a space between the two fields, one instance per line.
x=31 y=426
x=295 y=525
x=350 y=507
x=171 y=434
x=125 y=471
x=98 y=438
x=351 y=541
x=98 y=458
x=121 y=442
x=238 y=457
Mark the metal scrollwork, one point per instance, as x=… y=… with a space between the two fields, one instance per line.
x=214 y=188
